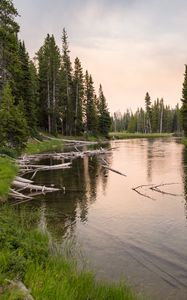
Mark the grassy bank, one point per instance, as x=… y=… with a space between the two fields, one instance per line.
x=34 y=146
x=184 y=141
x=8 y=171
x=126 y=135
x=24 y=255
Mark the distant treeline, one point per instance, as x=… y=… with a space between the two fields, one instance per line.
x=49 y=93
x=155 y=118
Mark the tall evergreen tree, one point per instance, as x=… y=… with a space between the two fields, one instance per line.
x=78 y=97
x=91 y=113
x=66 y=82
x=8 y=43
x=148 y=112
x=13 y=125
x=26 y=87
x=104 y=116
x=49 y=72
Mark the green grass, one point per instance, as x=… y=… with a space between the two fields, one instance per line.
x=34 y=147
x=84 y=137
x=127 y=135
x=8 y=171
x=184 y=141
x=24 y=255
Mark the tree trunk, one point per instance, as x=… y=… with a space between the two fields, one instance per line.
x=48 y=105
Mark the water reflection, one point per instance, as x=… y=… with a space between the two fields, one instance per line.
x=150 y=160
x=60 y=211
x=121 y=232
x=184 y=163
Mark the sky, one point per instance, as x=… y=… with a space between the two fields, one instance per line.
x=129 y=46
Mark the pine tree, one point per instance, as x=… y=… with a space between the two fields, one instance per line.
x=8 y=43
x=184 y=103
x=66 y=83
x=13 y=125
x=91 y=124
x=148 y=113
x=78 y=97
x=104 y=116
x=26 y=88
x=49 y=73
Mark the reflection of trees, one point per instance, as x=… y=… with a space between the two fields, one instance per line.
x=93 y=170
x=105 y=172
x=149 y=159
x=184 y=163
x=63 y=209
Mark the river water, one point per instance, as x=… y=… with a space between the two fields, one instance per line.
x=123 y=234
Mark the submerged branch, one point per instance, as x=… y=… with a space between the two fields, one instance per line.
x=136 y=189
x=115 y=171
x=156 y=189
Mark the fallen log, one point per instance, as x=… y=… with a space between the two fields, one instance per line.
x=31 y=187
x=66 y=155
x=48 y=168
x=17 y=195
x=72 y=141
x=115 y=171
x=23 y=179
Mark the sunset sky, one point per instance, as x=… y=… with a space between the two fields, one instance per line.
x=129 y=46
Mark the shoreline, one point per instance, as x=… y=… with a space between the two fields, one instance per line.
x=25 y=256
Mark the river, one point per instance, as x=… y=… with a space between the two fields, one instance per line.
x=139 y=236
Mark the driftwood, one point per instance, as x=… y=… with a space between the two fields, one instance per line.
x=115 y=171
x=26 y=166
x=17 y=195
x=23 y=179
x=155 y=188
x=106 y=166
x=20 y=184
x=48 y=168
x=24 y=161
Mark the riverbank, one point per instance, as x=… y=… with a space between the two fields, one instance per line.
x=126 y=135
x=184 y=141
x=36 y=146
x=25 y=256
x=8 y=171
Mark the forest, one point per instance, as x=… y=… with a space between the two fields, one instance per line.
x=48 y=93
x=155 y=118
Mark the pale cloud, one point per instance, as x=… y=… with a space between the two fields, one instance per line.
x=130 y=46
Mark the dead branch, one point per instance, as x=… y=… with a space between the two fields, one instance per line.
x=115 y=171
x=156 y=189
x=136 y=189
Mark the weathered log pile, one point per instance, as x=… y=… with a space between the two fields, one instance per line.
x=26 y=189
